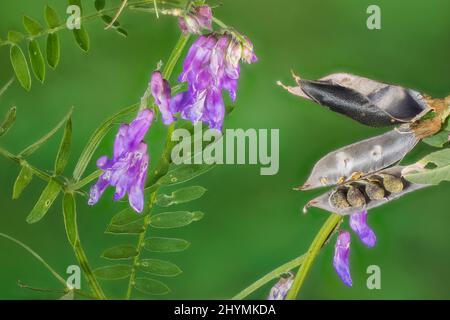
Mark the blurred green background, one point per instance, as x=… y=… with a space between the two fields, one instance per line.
x=252 y=223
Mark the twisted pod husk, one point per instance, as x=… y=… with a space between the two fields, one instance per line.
x=325 y=202
x=363 y=170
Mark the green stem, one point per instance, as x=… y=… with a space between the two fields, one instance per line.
x=85 y=18
x=86 y=180
x=268 y=277
x=322 y=236
x=38 y=257
x=92 y=281
x=37 y=172
x=163 y=164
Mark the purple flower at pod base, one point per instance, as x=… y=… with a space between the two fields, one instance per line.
x=127 y=170
x=280 y=290
x=211 y=65
x=358 y=223
x=161 y=91
x=199 y=18
x=341 y=261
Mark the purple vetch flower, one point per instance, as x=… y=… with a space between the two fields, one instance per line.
x=358 y=223
x=199 y=18
x=341 y=261
x=127 y=170
x=161 y=91
x=211 y=65
x=280 y=290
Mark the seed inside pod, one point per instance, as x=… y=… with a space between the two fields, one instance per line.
x=373 y=190
x=392 y=184
x=338 y=200
x=355 y=197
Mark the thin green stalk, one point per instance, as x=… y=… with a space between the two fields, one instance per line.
x=85 y=18
x=38 y=257
x=37 y=172
x=322 y=236
x=86 y=180
x=163 y=164
x=88 y=273
x=269 y=277
x=140 y=246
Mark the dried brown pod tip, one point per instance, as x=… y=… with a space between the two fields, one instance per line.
x=429 y=125
x=338 y=199
x=392 y=183
x=355 y=197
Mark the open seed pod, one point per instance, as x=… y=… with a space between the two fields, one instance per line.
x=367 y=101
x=327 y=202
x=361 y=158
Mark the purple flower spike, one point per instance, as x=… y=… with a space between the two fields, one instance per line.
x=341 y=258
x=211 y=65
x=280 y=290
x=161 y=91
x=127 y=170
x=198 y=19
x=358 y=223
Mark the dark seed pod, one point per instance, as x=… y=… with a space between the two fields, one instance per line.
x=392 y=184
x=373 y=190
x=364 y=157
x=338 y=200
x=324 y=203
x=355 y=197
x=367 y=101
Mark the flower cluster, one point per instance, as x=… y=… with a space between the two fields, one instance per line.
x=341 y=263
x=127 y=170
x=211 y=65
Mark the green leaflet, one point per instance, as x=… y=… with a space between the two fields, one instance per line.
x=64 y=148
x=175 y=219
x=125 y=216
x=20 y=67
x=435 y=175
x=15 y=36
x=122 y=252
x=180 y=196
x=23 y=180
x=182 y=173
x=439 y=158
x=51 y=17
x=53 y=50
x=115 y=272
x=70 y=218
x=135 y=227
x=7 y=123
x=126 y=221
x=99 y=4
x=96 y=138
x=82 y=38
x=37 y=60
x=150 y=286
x=45 y=201
x=35 y=146
x=159 y=267
x=116 y=25
x=157 y=244
x=32 y=26
x=438 y=140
